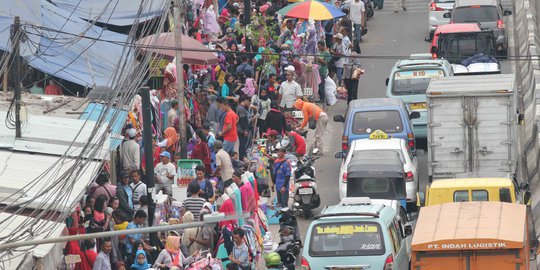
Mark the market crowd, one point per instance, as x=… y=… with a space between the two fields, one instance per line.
x=237 y=111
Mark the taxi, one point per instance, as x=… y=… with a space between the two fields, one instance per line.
x=358 y=234
x=409 y=80
x=376 y=146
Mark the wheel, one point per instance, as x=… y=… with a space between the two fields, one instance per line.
x=306 y=211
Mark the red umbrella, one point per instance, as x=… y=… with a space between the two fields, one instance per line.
x=193 y=52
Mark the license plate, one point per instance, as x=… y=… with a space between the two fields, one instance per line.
x=418 y=106
x=305 y=191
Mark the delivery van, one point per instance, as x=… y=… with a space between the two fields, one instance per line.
x=473 y=236
x=473 y=187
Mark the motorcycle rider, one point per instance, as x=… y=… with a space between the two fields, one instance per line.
x=273 y=261
x=297 y=142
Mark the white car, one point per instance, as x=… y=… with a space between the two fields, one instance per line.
x=437 y=9
x=410 y=163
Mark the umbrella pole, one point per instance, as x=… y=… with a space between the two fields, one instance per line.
x=178 y=22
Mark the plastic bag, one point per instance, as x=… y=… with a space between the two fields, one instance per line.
x=330 y=91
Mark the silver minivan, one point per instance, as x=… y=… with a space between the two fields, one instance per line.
x=488 y=13
x=437 y=9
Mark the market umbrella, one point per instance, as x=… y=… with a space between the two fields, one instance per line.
x=319 y=11
x=193 y=52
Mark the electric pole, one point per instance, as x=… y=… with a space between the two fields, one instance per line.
x=15 y=41
x=179 y=10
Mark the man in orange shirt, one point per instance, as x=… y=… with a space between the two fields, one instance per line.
x=229 y=132
x=311 y=110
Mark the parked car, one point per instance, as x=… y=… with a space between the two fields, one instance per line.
x=409 y=80
x=377 y=149
x=488 y=13
x=364 y=116
x=437 y=9
x=357 y=234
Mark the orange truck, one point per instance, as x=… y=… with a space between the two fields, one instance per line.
x=472 y=236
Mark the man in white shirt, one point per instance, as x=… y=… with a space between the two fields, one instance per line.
x=164 y=174
x=224 y=167
x=357 y=14
x=139 y=188
x=130 y=152
x=289 y=92
x=171 y=115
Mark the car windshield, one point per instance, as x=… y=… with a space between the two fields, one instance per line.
x=346 y=239
x=475 y=14
x=413 y=81
x=368 y=121
x=376 y=187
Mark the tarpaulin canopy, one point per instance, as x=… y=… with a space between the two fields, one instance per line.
x=28 y=10
x=114 y=12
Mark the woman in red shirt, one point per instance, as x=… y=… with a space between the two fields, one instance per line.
x=202 y=151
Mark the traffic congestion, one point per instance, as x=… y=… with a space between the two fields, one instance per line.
x=288 y=134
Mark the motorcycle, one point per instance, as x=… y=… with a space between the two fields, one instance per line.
x=290 y=243
x=305 y=186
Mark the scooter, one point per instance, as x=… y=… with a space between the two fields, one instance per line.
x=305 y=186
x=290 y=243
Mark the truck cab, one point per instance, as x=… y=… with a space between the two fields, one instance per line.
x=409 y=80
x=497 y=188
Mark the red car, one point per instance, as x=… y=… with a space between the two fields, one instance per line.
x=451 y=28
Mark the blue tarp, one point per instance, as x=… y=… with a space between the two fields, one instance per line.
x=117 y=12
x=29 y=11
x=93 y=112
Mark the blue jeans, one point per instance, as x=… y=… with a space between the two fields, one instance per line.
x=339 y=74
x=283 y=197
x=228 y=146
x=357 y=37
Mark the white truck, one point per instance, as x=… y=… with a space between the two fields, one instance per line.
x=472 y=125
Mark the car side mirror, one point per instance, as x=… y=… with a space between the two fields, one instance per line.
x=387 y=81
x=420 y=199
x=507 y=12
x=407 y=229
x=339 y=155
x=524 y=185
x=447 y=15
x=527 y=198
x=339 y=118
x=414 y=115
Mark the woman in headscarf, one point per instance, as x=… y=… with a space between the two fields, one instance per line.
x=202 y=151
x=190 y=234
x=170 y=140
x=208 y=231
x=171 y=256
x=249 y=87
x=140 y=263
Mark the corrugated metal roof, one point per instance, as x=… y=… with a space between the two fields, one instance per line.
x=470 y=222
x=472 y=84
x=17 y=170
x=53 y=135
x=48 y=255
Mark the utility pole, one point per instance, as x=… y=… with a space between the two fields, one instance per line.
x=15 y=40
x=179 y=15
x=148 y=157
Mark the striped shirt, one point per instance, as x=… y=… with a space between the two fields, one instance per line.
x=194 y=205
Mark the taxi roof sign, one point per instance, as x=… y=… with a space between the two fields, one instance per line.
x=378 y=135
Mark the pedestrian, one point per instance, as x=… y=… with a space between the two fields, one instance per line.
x=282 y=172
x=201 y=151
x=399 y=4
x=297 y=142
x=245 y=67
x=171 y=115
x=171 y=256
x=103 y=261
x=312 y=111
x=229 y=132
x=125 y=195
x=171 y=138
x=88 y=255
x=244 y=125
x=206 y=189
x=140 y=263
x=262 y=105
x=132 y=238
x=340 y=53
x=130 y=151
x=224 y=165
x=323 y=60
x=289 y=91
x=275 y=119
x=358 y=18
x=213 y=112
x=351 y=74
x=194 y=203
x=104 y=187
x=138 y=187
x=165 y=173
x=190 y=234
x=240 y=252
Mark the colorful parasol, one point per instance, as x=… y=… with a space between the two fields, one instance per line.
x=319 y=11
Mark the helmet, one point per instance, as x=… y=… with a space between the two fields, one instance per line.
x=272 y=259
